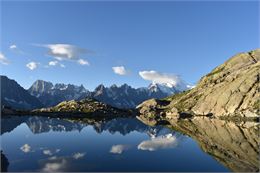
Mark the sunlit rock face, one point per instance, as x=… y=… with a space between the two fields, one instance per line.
x=236 y=145
x=230 y=90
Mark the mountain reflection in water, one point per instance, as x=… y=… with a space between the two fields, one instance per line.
x=39 y=124
x=33 y=143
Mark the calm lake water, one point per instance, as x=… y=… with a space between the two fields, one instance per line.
x=122 y=144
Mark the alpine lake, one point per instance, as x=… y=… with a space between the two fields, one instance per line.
x=45 y=144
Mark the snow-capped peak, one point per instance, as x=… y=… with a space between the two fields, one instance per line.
x=169 y=88
x=166 y=88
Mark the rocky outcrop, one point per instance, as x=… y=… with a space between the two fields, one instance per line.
x=235 y=145
x=83 y=107
x=231 y=89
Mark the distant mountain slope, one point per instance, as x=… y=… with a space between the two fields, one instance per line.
x=231 y=89
x=15 y=96
x=51 y=95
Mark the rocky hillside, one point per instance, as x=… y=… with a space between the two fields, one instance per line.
x=15 y=96
x=84 y=107
x=231 y=89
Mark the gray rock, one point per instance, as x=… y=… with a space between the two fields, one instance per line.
x=230 y=89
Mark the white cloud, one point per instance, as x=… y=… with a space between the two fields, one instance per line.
x=47 y=152
x=120 y=70
x=78 y=155
x=118 y=149
x=56 y=165
x=161 y=78
x=67 y=52
x=53 y=63
x=3 y=59
x=160 y=142
x=32 y=65
x=59 y=164
x=13 y=46
x=26 y=148
x=64 y=51
x=171 y=80
x=83 y=62
x=52 y=158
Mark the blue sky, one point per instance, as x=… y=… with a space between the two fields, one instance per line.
x=187 y=39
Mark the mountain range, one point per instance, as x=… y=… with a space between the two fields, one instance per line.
x=46 y=94
x=123 y=96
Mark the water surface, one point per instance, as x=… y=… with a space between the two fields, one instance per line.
x=122 y=144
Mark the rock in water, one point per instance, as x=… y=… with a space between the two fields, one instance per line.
x=231 y=89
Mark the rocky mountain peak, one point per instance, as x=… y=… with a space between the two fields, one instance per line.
x=168 y=89
x=60 y=86
x=41 y=86
x=113 y=86
x=125 y=86
x=99 y=89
